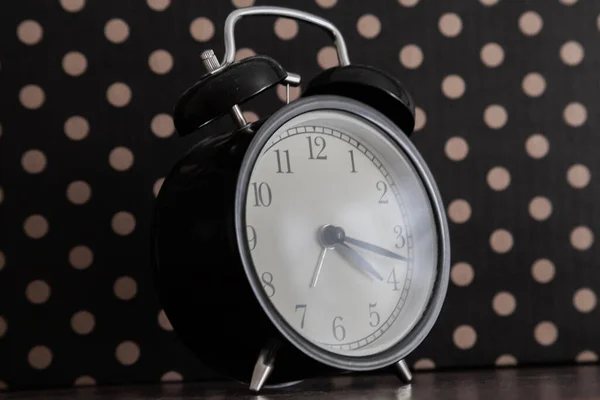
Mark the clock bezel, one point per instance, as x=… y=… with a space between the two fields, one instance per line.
x=409 y=342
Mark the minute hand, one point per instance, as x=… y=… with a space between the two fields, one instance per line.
x=374 y=248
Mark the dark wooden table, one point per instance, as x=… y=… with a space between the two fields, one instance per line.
x=547 y=383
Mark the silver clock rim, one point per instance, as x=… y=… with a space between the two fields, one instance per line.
x=408 y=343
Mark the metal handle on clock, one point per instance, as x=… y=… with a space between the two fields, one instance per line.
x=229 y=36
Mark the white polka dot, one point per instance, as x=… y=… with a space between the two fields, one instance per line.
x=40 y=357
x=32 y=97
x=30 y=32
x=537 y=146
x=450 y=25
x=504 y=303
x=157 y=185
x=492 y=55
x=456 y=148
x=533 y=84
x=74 y=63
x=408 y=3
x=83 y=322
x=571 y=53
x=3 y=326
x=584 y=300
x=242 y=3
x=462 y=274
x=368 y=26
x=127 y=352
x=171 y=376
x=501 y=241
x=76 y=128
x=578 y=176
x=411 y=56
x=575 y=114
x=424 y=364
x=116 y=30
x=125 y=288
x=506 y=360
x=453 y=86
x=420 y=118
x=250 y=116
x=158 y=5
x=118 y=94
x=72 y=5
x=530 y=23
x=294 y=93
x=327 y=57
x=568 y=2
x=84 y=380
x=495 y=116
x=459 y=211
x=543 y=270
x=202 y=29
x=2 y=260
x=498 y=178
x=545 y=333
x=79 y=192
x=34 y=161
x=326 y=3
x=123 y=223
x=81 y=257
x=35 y=226
x=162 y=125
x=464 y=337
x=160 y=61
x=586 y=356
x=121 y=158
x=164 y=322
x=540 y=208
x=37 y=292
x=244 y=52
x=582 y=238
x=285 y=28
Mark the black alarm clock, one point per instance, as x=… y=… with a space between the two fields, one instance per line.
x=314 y=239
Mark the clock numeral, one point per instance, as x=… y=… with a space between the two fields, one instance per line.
x=339 y=332
x=319 y=142
x=382 y=187
x=286 y=156
x=303 y=308
x=353 y=170
x=373 y=314
x=400 y=239
x=262 y=194
x=267 y=280
x=393 y=280
x=251 y=233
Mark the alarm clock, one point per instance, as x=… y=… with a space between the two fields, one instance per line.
x=310 y=242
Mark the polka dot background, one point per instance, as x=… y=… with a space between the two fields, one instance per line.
x=505 y=94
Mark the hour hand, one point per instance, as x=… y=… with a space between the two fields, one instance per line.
x=374 y=248
x=363 y=265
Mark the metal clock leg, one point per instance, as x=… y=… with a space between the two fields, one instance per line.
x=403 y=372
x=264 y=366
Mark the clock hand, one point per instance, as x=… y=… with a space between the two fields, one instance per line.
x=374 y=248
x=363 y=265
x=333 y=237
x=315 y=276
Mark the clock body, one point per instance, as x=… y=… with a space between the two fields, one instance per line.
x=241 y=232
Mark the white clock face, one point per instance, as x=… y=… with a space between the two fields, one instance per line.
x=341 y=233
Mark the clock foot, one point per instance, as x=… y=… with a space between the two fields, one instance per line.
x=402 y=371
x=264 y=366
